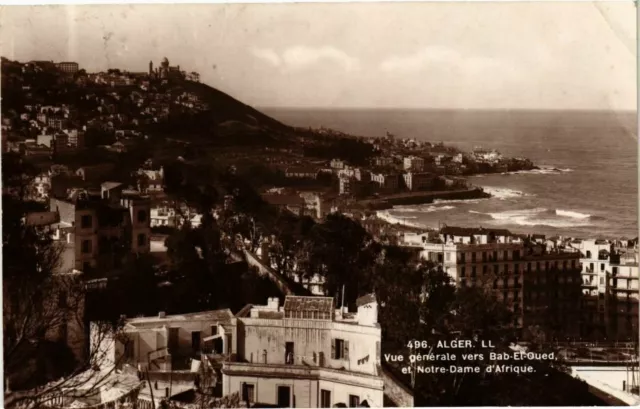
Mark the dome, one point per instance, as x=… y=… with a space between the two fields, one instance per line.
x=165 y=61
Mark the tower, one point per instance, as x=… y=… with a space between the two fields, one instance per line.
x=150 y=68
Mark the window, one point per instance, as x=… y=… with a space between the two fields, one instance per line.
x=264 y=356
x=142 y=216
x=615 y=270
x=142 y=240
x=591 y=267
x=484 y=256
x=462 y=258
x=516 y=268
x=214 y=330
x=86 y=246
x=86 y=221
x=496 y=269
x=340 y=349
x=473 y=257
x=354 y=401
x=588 y=254
x=505 y=255
x=448 y=256
x=495 y=256
x=86 y=266
x=601 y=266
x=601 y=280
x=325 y=398
x=248 y=392
x=463 y=271
x=529 y=267
x=62 y=300
x=546 y=266
x=485 y=269
x=289 y=353
x=473 y=272
x=321 y=361
x=516 y=255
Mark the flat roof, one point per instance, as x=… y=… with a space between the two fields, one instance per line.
x=301 y=303
x=214 y=315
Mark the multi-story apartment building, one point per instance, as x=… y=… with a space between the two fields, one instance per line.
x=68 y=67
x=418 y=181
x=102 y=232
x=413 y=163
x=541 y=288
x=299 y=355
x=610 y=289
x=386 y=182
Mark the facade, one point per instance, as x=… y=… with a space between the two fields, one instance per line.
x=301 y=172
x=610 y=289
x=170 y=342
x=386 y=182
x=298 y=355
x=541 y=288
x=68 y=67
x=101 y=233
x=413 y=163
x=418 y=181
x=337 y=164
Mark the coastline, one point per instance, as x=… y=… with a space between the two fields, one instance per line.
x=417 y=198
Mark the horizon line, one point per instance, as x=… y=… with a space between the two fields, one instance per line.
x=329 y=108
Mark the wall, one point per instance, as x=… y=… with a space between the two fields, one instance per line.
x=309 y=337
x=305 y=383
x=396 y=391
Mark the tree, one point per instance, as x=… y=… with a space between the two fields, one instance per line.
x=43 y=312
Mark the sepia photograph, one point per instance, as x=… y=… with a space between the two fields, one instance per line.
x=320 y=205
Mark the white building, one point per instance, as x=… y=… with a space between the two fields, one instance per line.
x=307 y=354
x=610 y=288
x=413 y=163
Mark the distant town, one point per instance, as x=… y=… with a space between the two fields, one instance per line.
x=245 y=262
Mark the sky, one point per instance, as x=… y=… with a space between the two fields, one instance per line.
x=479 y=55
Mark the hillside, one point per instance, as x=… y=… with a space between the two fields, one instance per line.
x=226 y=121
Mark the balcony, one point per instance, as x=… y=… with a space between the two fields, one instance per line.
x=279 y=371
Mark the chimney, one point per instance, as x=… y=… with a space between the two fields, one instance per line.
x=162 y=314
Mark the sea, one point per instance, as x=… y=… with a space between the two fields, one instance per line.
x=587 y=186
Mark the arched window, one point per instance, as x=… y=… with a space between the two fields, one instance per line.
x=264 y=356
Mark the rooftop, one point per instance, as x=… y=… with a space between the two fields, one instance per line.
x=470 y=231
x=299 y=303
x=214 y=315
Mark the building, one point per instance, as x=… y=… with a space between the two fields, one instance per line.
x=166 y=71
x=386 y=182
x=98 y=172
x=101 y=232
x=337 y=164
x=610 y=289
x=307 y=172
x=541 y=288
x=413 y=163
x=61 y=144
x=382 y=161
x=55 y=122
x=299 y=355
x=419 y=181
x=289 y=202
x=68 y=67
x=487 y=156
x=170 y=342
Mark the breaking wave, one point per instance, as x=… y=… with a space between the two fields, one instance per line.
x=543 y=170
x=540 y=217
x=504 y=193
x=421 y=208
x=389 y=218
